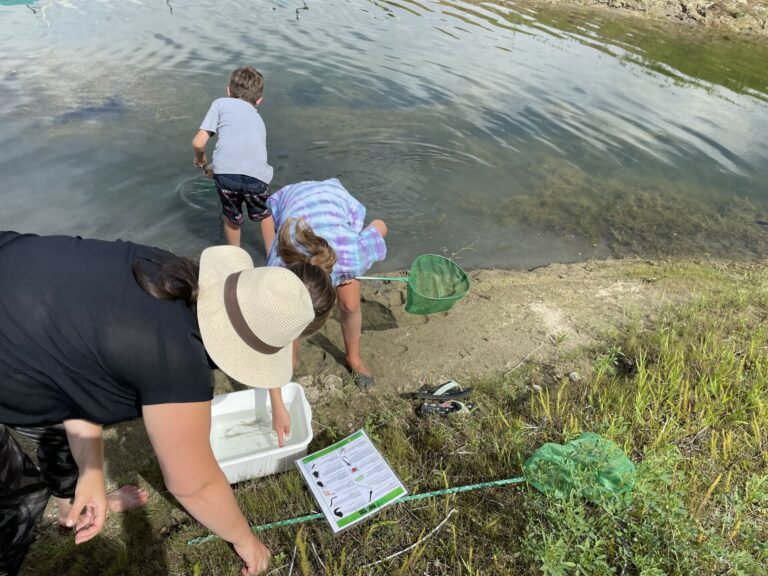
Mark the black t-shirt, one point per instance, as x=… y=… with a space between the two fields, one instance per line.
x=79 y=338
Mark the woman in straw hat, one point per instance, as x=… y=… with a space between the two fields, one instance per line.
x=94 y=332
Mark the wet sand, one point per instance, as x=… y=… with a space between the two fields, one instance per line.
x=508 y=318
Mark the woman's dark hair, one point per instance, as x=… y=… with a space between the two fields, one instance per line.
x=311 y=258
x=171 y=278
x=175 y=278
x=321 y=291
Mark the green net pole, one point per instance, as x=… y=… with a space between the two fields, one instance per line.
x=392 y=278
x=469 y=488
x=411 y=498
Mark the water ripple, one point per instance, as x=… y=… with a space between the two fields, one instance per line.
x=440 y=115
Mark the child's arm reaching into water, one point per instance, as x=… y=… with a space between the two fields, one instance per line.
x=198 y=144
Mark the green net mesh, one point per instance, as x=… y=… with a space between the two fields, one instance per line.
x=435 y=284
x=591 y=467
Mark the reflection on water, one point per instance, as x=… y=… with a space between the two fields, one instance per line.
x=497 y=133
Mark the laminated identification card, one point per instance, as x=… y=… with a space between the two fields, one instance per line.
x=350 y=480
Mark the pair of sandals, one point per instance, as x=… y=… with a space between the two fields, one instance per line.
x=448 y=398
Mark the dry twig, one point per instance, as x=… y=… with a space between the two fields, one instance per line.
x=412 y=546
x=293 y=559
x=523 y=360
x=317 y=556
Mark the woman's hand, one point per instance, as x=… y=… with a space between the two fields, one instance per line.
x=180 y=434
x=89 y=509
x=255 y=555
x=281 y=420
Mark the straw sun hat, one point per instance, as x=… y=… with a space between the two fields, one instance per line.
x=249 y=316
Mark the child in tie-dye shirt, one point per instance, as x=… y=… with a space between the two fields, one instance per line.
x=325 y=209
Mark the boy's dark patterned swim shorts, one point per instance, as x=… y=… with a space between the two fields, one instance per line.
x=234 y=189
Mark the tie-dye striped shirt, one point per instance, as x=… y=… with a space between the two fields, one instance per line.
x=335 y=215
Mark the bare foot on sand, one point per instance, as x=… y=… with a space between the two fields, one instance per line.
x=358 y=367
x=362 y=376
x=121 y=499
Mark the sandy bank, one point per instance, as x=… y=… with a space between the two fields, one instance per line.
x=507 y=318
x=750 y=16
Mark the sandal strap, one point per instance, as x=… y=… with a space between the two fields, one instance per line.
x=446 y=387
x=446 y=391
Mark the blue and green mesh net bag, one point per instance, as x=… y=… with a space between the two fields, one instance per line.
x=435 y=284
x=590 y=467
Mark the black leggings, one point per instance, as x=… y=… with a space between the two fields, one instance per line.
x=25 y=487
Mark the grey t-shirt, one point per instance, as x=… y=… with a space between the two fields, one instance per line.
x=241 y=147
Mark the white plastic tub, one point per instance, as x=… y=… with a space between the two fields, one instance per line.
x=242 y=438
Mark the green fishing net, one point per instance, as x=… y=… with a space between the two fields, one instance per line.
x=435 y=284
x=591 y=467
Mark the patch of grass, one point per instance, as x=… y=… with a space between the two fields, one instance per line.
x=657 y=534
x=687 y=398
x=685 y=394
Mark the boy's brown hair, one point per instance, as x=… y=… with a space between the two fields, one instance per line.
x=246 y=83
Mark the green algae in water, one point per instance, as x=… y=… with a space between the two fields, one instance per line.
x=688 y=55
x=637 y=214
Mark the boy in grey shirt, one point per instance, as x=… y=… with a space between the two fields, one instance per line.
x=240 y=168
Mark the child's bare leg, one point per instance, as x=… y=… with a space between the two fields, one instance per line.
x=232 y=232
x=296 y=344
x=351 y=319
x=268 y=233
x=381 y=226
x=122 y=499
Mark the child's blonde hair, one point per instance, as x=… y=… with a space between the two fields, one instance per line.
x=304 y=246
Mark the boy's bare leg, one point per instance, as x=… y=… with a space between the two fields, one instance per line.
x=351 y=320
x=232 y=232
x=122 y=499
x=268 y=233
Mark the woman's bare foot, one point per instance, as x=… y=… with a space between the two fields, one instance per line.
x=121 y=499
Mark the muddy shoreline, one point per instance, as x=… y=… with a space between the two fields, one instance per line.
x=508 y=319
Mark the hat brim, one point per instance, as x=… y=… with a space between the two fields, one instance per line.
x=233 y=356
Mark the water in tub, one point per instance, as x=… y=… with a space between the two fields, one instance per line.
x=248 y=432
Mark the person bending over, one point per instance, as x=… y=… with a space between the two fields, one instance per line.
x=95 y=332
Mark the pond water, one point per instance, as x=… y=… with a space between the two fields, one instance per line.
x=496 y=133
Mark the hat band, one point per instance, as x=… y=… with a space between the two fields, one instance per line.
x=236 y=318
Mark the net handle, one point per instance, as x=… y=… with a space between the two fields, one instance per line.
x=391 y=278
